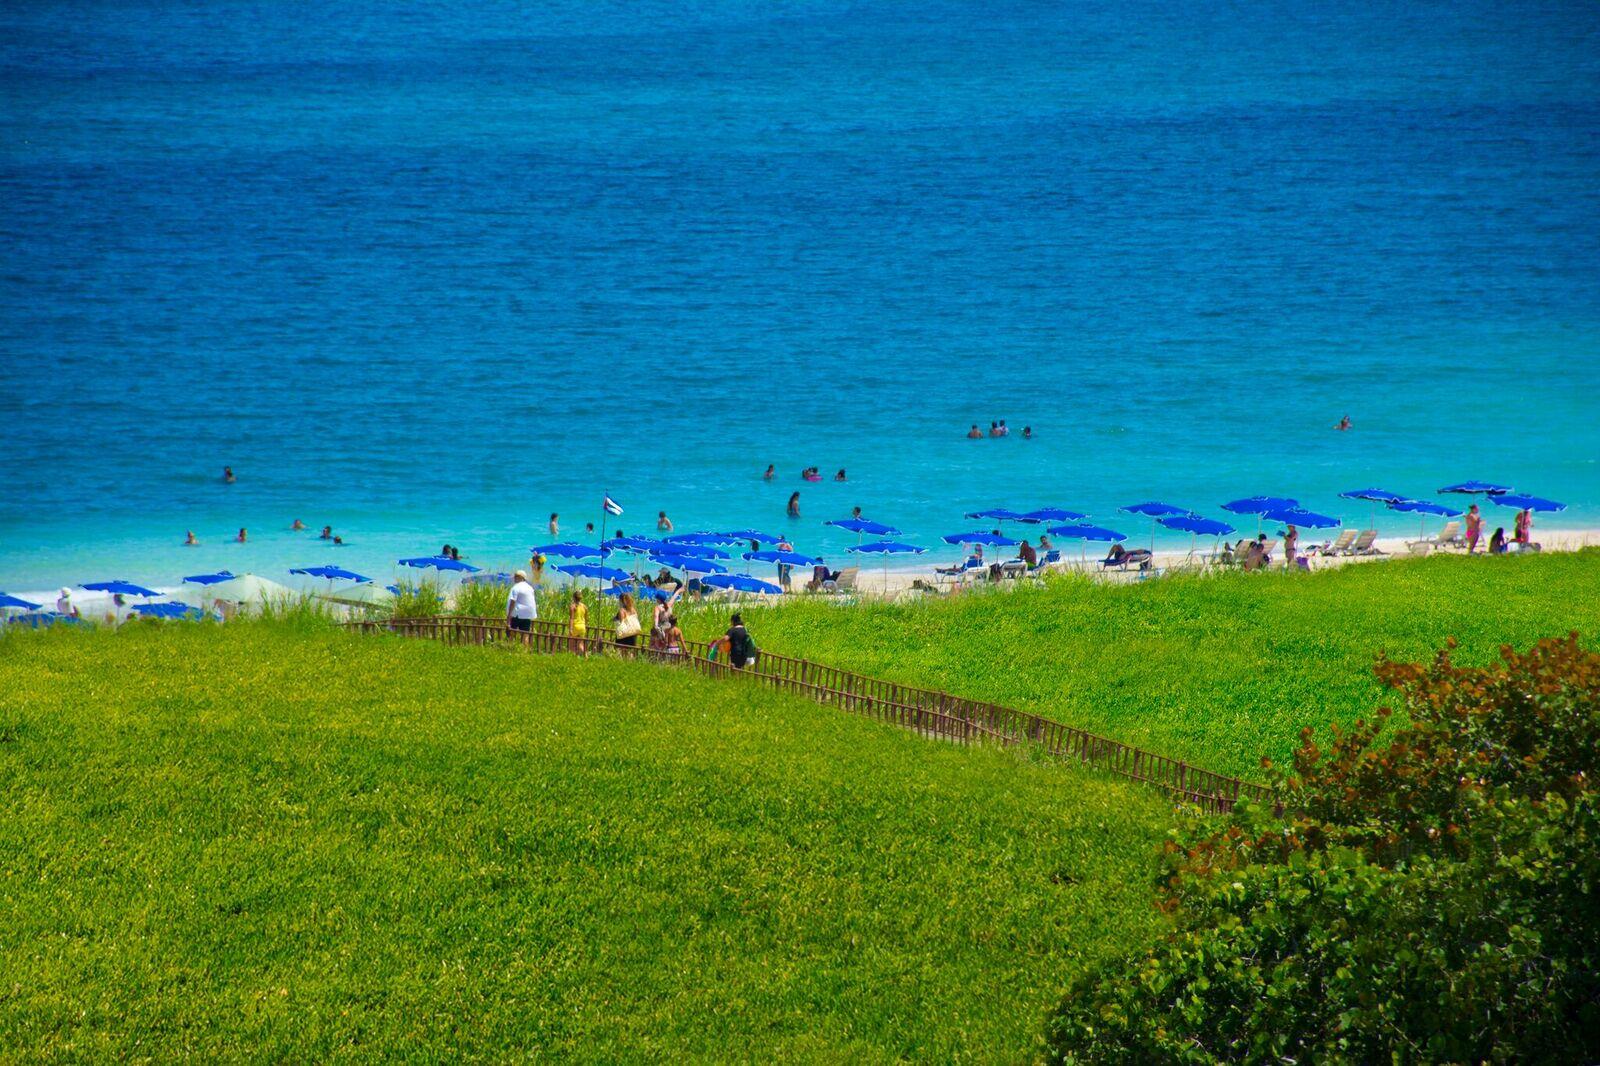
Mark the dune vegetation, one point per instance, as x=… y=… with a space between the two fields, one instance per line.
x=1219 y=670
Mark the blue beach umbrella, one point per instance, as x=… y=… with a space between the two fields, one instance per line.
x=1259 y=504
x=998 y=514
x=1531 y=503
x=773 y=555
x=568 y=550
x=1299 y=516
x=886 y=547
x=1375 y=497
x=168 y=610
x=755 y=535
x=705 y=539
x=1486 y=488
x=742 y=583
x=7 y=600
x=633 y=544
x=643 y=592
x=595 y=570
x=209 y=579
x=439 y=562
x=1154 y=509
x=993 y=540
x=1423 y=507
x=859 y=526
x=1196 y=526
x=1053 y=514
x=1086 y=533
x=689 y=564
x=125 y=588
x=693 y=551
x=332 y=573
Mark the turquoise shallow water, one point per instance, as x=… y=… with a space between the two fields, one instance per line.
x=429 y=277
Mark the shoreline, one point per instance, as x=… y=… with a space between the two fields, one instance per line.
x=897 y=580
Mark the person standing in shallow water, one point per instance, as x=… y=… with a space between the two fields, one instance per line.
x=227 y=475
x=771 y=472
x=555 y=525
x=794 y=506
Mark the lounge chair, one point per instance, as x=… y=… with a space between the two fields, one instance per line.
x=1419 y=547
x=1139 y=557
x=1336 y=547
x=956 y=573
x=1450 y=536
x=845 y=582
x=1364 y=544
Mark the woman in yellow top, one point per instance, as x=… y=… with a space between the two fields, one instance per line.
x=578 y=622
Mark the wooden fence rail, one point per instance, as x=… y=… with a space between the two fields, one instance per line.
x=927 y=711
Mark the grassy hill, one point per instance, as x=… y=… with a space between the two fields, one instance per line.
x=1218 y=670
x=258 y=842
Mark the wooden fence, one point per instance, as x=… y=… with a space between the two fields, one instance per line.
x=932 y=713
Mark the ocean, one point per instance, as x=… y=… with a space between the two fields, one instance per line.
x=430 y=275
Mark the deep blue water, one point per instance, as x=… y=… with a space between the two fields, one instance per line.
x=429 y=276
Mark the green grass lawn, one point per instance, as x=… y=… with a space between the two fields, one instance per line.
x=1216 y=670
x=256 y=842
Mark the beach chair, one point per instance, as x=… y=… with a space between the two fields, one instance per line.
x=1013 y=568
x=1139 y=557
x=1419 y=548
x=954 y=574
x=1364 y=544
x=845 y=582
x=1339 y=546
x=1450 y=536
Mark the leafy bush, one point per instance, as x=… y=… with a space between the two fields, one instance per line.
x=479 y=601
x=421 y=599
x=1432 y=899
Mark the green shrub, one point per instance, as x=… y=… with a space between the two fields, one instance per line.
x=1431 y=899
x=479 y=601
x=421 y=599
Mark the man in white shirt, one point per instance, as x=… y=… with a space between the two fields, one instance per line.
x=64 y=604
x=521 y=605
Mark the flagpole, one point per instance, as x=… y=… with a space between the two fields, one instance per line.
x=605 y=513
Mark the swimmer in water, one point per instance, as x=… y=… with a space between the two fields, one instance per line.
x=855 y=512
x=243 y=534
x=1027 y=432
x=770 y=472
x=227 y=475
x=794 y=506
x=555 y=526
x=1004 y=431
x=338 y=542
x=1344 y=424
x=994 y=429
x=189 y=541
x=298 y=525
x=840 y=475
x=326 y=534
x=663 y=523
x=974 y=433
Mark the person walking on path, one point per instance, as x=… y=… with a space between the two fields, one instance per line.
x=578 y=623
x=628 y=627
x=522 y=606
x=1474 y=528
x=741 y=649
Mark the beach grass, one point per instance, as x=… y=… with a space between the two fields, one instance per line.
x=1217 y=670
x=280 y=841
